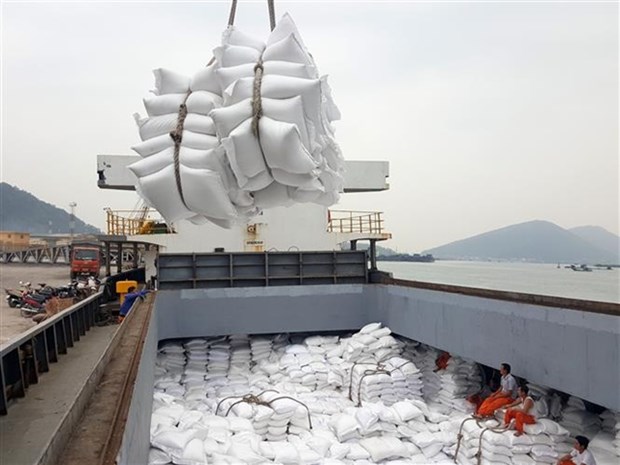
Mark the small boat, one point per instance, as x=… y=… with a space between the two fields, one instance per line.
x=580 y=268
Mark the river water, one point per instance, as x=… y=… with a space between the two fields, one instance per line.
x=532 y=278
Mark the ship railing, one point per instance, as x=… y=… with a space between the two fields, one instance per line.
x=26 y=357
x=135 y=222
x=349 y=221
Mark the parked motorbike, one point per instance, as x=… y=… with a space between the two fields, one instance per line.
x=13 y=298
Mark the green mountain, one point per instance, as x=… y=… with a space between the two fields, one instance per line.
x=21 y=211
x=537 y=241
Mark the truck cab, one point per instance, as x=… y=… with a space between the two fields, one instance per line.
x=85 y=260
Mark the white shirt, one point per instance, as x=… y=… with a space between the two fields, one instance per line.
x=585 y=457
x=509 y=384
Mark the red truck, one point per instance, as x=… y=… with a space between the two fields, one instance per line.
x=85 y=260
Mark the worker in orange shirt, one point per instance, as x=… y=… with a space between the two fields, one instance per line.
x=502 y=397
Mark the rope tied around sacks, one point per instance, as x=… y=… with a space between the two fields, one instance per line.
x=496 y=429
x=257 y=103
x=378 y=370
x=177 y=136
x=459 y=436
x=256 y=400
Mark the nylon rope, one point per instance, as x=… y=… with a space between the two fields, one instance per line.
x=233 y=11
x=380 y=369
x=255 y=399
x=177 y=137
x=272 y=14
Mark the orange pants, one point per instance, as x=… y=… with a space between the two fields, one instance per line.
x=520 y=419
x=491 y=404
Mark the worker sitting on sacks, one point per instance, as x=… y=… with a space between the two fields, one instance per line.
x=502 y=397
x=519 y=411
x=580 y=455
x=130 y=298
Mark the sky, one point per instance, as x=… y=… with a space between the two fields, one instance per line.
x=489 y=113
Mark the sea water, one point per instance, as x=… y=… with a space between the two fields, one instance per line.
x=532 y=278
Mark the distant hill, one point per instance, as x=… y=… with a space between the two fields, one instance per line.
x=23 y=212
x=538 y=241
x=600 y=238
x=384 y=251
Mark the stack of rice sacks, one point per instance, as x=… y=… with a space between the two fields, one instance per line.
x=537 y=446
x=393 y=380
x=460 y=379
x=424 y=358
x=578 y=421
x=169 y=367
x=606 y=444
x=616 y=432
x=185 y=430
x=195 y=369
x=227 y=171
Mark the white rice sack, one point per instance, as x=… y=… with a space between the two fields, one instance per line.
x=366 y=418
x=202 y=102
x=234 y=55
x=381 y=448
x=173 y=441
x=344 y=426
x=287 y=49
x=320 y=445
x=245 y=453
x=192 y=454
x=357 y=452
x=169 y=82
x=339 y=451
x=199 y=123
x=245 y=158
x=163 y=104
x=282 y=87
x=522 y=459
x=541 y=452
x=158 y=457
x=432 y=450
x=233 y=36
x=369 y=328
x=200 y=184
x=272 y=196
x=156 y=125
x=205 y=80
x=407 y=411
x=284 y=452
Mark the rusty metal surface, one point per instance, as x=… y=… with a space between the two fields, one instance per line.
x=97 y=437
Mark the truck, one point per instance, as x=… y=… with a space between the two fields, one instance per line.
x=85 y=259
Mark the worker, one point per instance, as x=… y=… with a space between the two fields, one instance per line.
x=520 y=411
x=503 y=396
x=441 y=363
x=580 y=455
x=130 y=298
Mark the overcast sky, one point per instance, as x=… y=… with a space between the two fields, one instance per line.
x=489 y=113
